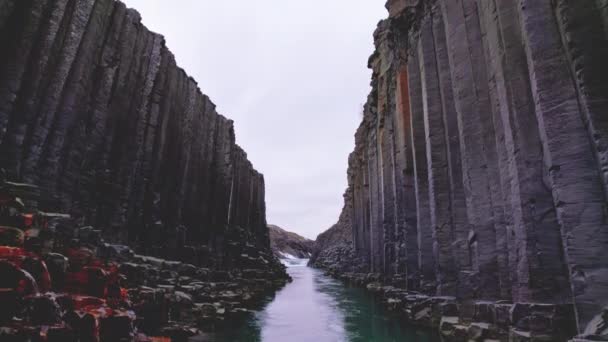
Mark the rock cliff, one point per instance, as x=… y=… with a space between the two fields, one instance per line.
x=94 y=109
x=479 y=172
x=333 y=248
x=141 y=217
x=288 y=244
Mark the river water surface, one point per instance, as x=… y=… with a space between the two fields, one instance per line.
x=317 y=308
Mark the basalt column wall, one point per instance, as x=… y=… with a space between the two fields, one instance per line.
x=94 y=109
x=479 y=170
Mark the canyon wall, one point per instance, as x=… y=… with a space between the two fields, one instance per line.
x=480 y=167
x=333 y=249
x=94 y=109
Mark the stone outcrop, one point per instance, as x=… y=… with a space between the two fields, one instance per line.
x=94 y=110
x=479 y=171
x=286 y=244
x=161 y=225
x=334 y=248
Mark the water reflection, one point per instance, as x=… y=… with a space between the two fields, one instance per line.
x=317 y=308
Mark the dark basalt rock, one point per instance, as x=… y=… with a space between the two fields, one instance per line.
x=137 y=208
x=479 y=169
x=94 y=110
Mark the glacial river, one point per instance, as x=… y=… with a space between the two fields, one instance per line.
x=317 y=308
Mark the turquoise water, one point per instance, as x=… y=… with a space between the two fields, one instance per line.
x=317 y=308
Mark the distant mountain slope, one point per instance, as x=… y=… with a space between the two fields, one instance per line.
x=285 y=243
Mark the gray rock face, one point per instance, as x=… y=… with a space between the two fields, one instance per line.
x=479 y=170
x=285 y=244
x=95 y=110
x=333 y=249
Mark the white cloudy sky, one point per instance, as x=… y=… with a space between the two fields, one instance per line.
x=293 y=76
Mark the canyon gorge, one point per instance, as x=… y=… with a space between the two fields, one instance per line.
x=476 y=204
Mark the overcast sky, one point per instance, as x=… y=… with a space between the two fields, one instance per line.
x=293 y=76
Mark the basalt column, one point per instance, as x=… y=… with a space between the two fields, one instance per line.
x=458 y=211
x=569 y=159
x=536 y=263
x=477 y=141
x=386 y=151
x=408 y=262
x=498 y=168
x=374 y=167
x=426 y=255
x=437 y=159
x=94 y=109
